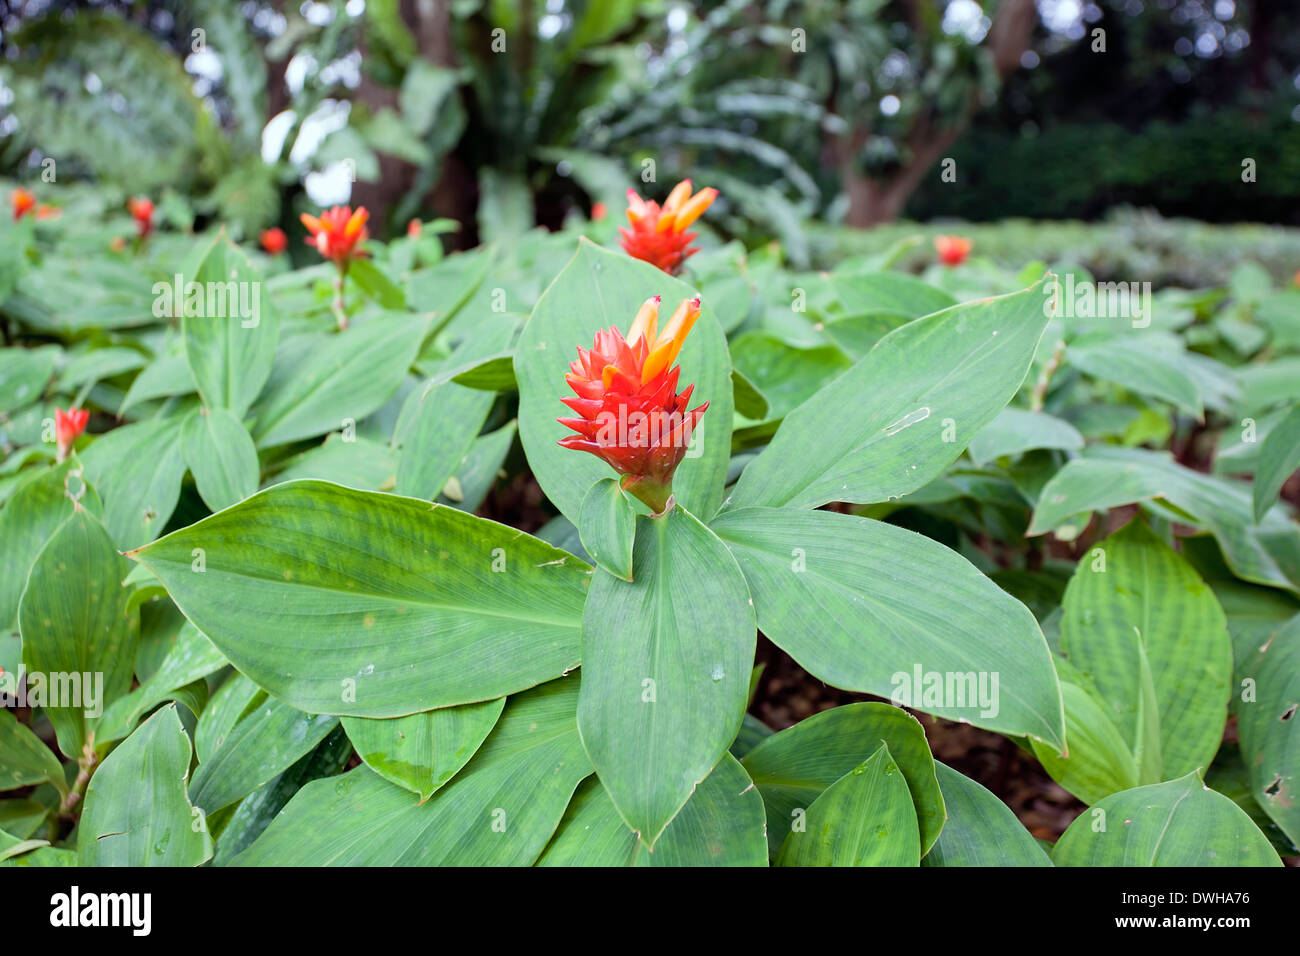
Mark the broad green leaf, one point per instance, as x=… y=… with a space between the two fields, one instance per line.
x=230 y=337
x=1134 y=607
x=446 y=422
x=263 y=744
x=1106 y=477
x=865 y=818
x=981 y=830
x=376 y=284
x=221 y=456
x=137 y=812
x=901 y=415
x=137 y=470
x=607 y=527
x=1137 y=365
x=1015 y=430
x=78 y=634
x=24 y=758
x=888 y=293
x=792 y=768
x=500 y=810
x=870 y=607
x=721 y=825
x=359 y=463
x=24 y=373
x=1100 y=761
x=256 y=811
x=190 y=659
x=350 y=602
x=1279 y=457
x=236 y=697
x=421 y=752
x=750 y=400
x=603 y=289
x=666 y=661
x=15 y=852
x=1178 y=823
x=95 y=365
x=32 y=515
x=480 y=468
x=322 y=381
x=166 y=376
x=1267 y=726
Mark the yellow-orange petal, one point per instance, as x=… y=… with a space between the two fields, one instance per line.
x=694 y=208
x=681 y=192
x=670 y=340
x=646 y=321
x=311 y=222
x=355 y=223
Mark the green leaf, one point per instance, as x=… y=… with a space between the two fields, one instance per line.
x=865 y=606
x=350 y=602
x=221 y=455
x=31 y=517
x=24 y=373
x=236 y=697
x=750 y=401
x=602 y=289
x=321 y=381
x=190 y=659
x=1015 y=430
x=981 y=829
x=1106 y=477
x=1267 y=726
x=422 y=752
x=256 y=811
x=376 y=284
x=24 y=758
x=77 y=630
x=792 y=768
x=888 y=293
x=137 y=812
x=665 y=662
x=1279 y=457
x=1136 y=609
x=1178 y=823
x=1137 y=365
x=262 y=745
x=446 y=422
x=865 y=818
x=137 y=470
x=499 y=811
x=1100 y=761
x=607 y=527
x=900 y=416
x=230 y=337
x=721 y=825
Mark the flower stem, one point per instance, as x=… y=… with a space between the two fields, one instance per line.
x=656 y=495
x=337 y=305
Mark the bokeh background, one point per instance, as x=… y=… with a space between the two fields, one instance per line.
x=821 y=122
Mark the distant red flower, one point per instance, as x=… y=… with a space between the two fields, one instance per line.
x=67 y=426
x=337 y=234
x=141 y=209
x=414 y=228
x=631 y=415
x=658 y=235
x=22 y=202
x=273 y=240
x=952 y=250
x=599 y=211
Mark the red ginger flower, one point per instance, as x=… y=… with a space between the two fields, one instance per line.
x=67 y=426
x=414 y=228
x=658 y=235
x=274 y=240
x=22 y=201
x=952 y=250
x=631 y=416
x=337 y=233
x=141 y=209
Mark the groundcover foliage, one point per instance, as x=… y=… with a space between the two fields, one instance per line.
x=258 y=579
